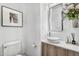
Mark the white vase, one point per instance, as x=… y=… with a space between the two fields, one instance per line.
x=75 y=23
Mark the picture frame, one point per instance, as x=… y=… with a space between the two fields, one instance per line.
x=11 y=17
x=55 y=20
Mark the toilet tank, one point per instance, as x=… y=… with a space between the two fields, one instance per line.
x=12 y=48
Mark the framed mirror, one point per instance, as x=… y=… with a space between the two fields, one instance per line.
x=55 y=20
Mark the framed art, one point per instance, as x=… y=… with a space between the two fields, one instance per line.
x=11 y=17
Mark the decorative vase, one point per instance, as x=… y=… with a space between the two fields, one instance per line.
x=75 y=23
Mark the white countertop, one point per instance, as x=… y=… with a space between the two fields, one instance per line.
x=64 y=45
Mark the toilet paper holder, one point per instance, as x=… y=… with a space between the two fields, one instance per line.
x=34 y=45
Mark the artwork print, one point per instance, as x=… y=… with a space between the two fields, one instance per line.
x=11 y=17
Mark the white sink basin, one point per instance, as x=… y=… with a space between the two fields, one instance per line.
x=54 y=39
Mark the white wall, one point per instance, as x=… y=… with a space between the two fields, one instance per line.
x=44 y=20
x=67 y=30
x=63 y=34
x=11 y=33
x=32 y=29
x=29 y=33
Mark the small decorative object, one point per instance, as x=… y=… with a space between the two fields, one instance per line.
x=73 y=38
x=75 y=23
x=11 y=17
x=72 y=13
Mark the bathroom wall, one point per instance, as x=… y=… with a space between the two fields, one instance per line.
x=67 y=26
x=44 y=20
x=29 y=33
x=8 y=34
x=32 y=29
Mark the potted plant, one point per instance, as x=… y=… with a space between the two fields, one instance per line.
x=72 y=13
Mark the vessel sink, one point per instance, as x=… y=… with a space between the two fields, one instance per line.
x=55 y=39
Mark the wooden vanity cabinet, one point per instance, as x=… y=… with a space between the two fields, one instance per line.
x=51 y=50
x=61 y=51
x=76 y=54
x=55 y=51
x=44 y=49
x=72 y=53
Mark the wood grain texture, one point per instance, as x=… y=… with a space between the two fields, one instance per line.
x=51 y=50
x=61 y=51
x=70 y=53
x=44 y=49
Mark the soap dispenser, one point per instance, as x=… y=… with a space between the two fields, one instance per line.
x=73 y=38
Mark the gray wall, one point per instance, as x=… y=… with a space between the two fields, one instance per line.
x=29 y=33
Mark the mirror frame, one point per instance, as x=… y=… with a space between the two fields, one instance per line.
x=51 y=6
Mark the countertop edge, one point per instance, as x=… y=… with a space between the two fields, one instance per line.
x=72 y=47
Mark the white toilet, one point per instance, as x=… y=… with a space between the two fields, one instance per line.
x=12 y=48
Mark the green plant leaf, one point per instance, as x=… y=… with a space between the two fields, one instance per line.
x=73 y=14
